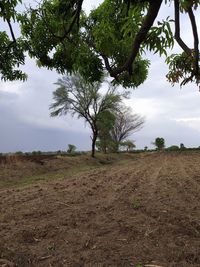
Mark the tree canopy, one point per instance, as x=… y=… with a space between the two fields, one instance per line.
x=159 y=143
x=112 y=38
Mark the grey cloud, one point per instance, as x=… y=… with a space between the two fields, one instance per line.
x=15 y=135
x=26 y=124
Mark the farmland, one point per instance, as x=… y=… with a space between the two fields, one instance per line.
x=116 y=210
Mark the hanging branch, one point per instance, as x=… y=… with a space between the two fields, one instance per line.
x=154 y=7
x=177 y=37
x=11 y=30
x=7 y=19
x=76 y=18
x=196 y=40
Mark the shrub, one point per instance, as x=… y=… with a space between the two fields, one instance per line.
x=173 y=148
x=19 y=153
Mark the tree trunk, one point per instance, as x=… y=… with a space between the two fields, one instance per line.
x=94 y=138
x=117 y=147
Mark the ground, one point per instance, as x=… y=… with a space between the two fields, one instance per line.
x=139 y=210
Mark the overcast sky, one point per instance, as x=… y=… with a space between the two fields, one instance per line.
x=171 y=112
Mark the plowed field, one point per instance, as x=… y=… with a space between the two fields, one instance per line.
x=144 y=210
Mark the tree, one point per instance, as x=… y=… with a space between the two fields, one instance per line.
x=182 y=146
x=105 y=124
x=71 y=149
x=125 y=124
x=128 y=144
x=112 y=37
x=159 y=143
x=79 y=98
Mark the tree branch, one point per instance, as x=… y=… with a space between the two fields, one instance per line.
x=196 y=40
x=177 y=37
x=75 y=19
x=154 y=7
x=11 y=30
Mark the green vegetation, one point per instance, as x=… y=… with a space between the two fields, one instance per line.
x=19 y=153
x=113 y=37
x=182 y=147
x=35 y=153
x=173 y=148
x=17 y=171
x=71 y=149
x=159 y=143
x=116 y=128
x=128 y=145
x=136 y=204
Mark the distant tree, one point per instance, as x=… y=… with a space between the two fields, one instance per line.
x=128 y=144
x=36 y=153
x=19 y=153
x=159 y=143
x=182 y=147
x=145 y=148
x=77 y=97
x=71 y=148
x=125 y=124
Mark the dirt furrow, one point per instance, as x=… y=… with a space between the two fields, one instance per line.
x=143 y=211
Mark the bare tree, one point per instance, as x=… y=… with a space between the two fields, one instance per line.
x=125 y=124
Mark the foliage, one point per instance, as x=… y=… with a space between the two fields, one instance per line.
x=128 y=144
x=159 y=143
x=11 y=48
x=106 y=121
x=125 y=124
x=180 y=66
x=19 y=153
x=110 y=32
x=182 y=147
x=77 y=97
x=116 y=127
x=136 y=204
x=35 y=153
x=173 y=148
x=71 y=149
x=113 y=37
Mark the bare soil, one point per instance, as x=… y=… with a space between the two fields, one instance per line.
x=142 y=210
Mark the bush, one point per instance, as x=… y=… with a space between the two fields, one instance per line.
x=173 y=148
x=19 y=153
x=36 y=153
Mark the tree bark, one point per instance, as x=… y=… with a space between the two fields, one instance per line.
x=94 y=138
